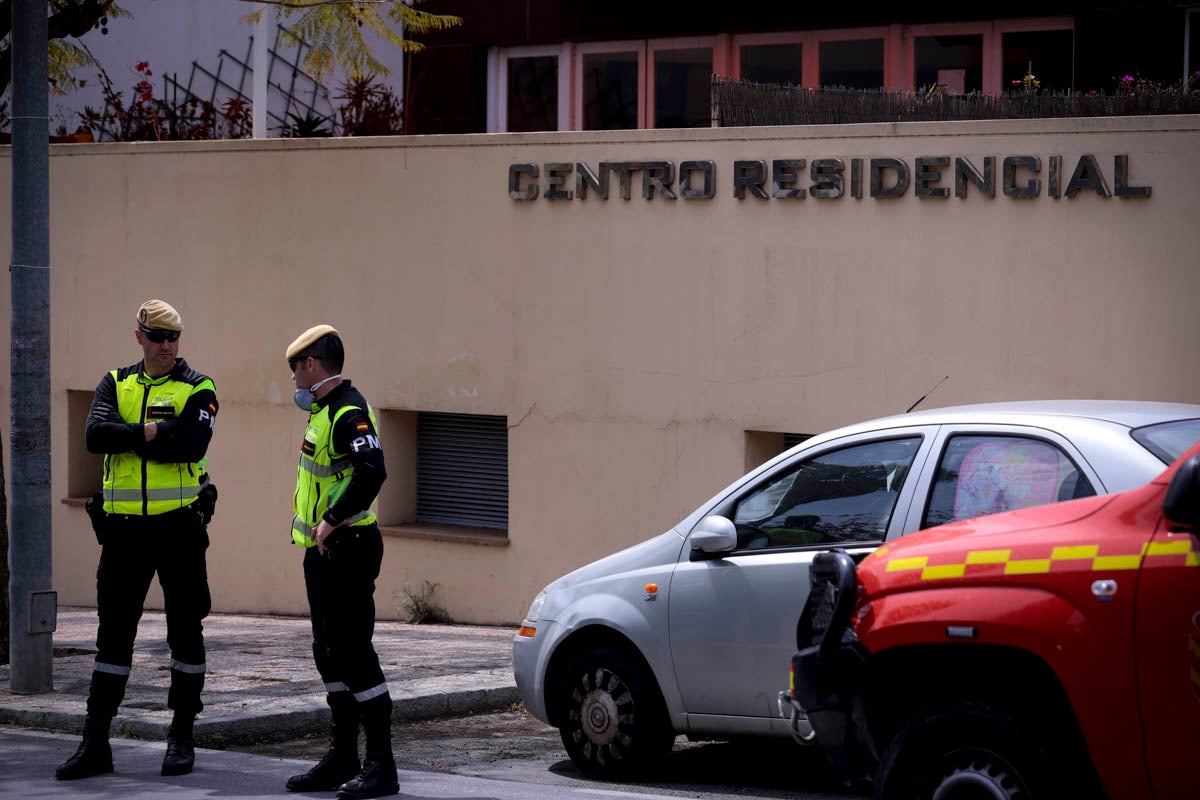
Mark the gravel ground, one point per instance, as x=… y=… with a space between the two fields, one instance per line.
x=465 y=745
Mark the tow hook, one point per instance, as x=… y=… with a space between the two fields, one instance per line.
x=798 y=723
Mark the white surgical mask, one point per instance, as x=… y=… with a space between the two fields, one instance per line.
x=306 y=398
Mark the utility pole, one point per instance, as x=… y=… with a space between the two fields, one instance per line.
x=261 y=66
x=33 y=610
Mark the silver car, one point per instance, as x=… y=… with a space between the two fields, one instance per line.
x=687 y=633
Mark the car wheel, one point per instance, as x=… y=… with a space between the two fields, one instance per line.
x=970 y=751
x=614 y=724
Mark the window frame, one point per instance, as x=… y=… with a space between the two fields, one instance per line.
x=397 y=507
x=811 y=41
x=804 y=39
x=992 y=55
x=720 y=62
x=85 y=470
x=637 y=46
x=899 y=53
x=497 y=109
x=1191 y=17
x=775 y=469
x=918 y=510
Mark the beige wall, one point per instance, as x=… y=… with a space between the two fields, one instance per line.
x=631 y=344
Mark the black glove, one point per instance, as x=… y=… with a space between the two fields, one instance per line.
x=206 y=502
x=95 y=511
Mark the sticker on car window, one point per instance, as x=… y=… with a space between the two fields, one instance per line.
x=1005 y=475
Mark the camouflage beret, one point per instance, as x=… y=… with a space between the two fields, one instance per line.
x=156 y=314
x=308 y=338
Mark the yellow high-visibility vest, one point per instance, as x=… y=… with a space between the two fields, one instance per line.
x=143 y=486
x=322 y=476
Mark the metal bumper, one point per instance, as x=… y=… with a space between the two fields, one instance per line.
x=826 y=674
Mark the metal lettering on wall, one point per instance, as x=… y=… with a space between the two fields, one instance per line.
x=933 y=177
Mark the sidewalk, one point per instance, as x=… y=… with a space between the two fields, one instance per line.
x=261 y=683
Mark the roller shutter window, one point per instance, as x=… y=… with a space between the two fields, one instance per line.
x=790 y=440
x=462 y=470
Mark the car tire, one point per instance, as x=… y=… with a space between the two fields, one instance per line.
x=970 y=750
x=614 y=724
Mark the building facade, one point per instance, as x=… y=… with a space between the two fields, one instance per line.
x=528 y=66
x=541 y=65
x=573 y=339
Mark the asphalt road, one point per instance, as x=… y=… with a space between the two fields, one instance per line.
x=28 y=758
x=513 y=746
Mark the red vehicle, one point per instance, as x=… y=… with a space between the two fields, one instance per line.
x=1047 y=653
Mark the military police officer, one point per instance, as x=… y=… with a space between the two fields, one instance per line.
x=340 y=473
x=153 y=422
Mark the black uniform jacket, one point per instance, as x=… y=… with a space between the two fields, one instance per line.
x=182 y=439
x=354 y=437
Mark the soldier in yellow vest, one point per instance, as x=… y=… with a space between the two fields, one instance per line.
x=340 y=473
x=153 y=422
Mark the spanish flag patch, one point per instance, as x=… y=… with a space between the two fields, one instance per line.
x=362 y=426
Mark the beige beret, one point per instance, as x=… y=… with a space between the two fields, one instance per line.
x=306 y=339
x=160 y=315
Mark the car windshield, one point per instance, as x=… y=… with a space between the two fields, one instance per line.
x=1169 y=440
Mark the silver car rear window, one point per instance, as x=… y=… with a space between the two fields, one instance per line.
x=1169 y=440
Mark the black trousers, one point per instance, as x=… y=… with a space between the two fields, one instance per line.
x=341 y=602
x=172 y=546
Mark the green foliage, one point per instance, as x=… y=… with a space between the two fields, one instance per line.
x=335 y=31
x=65 y=58
x=1136 y=85
x=369 y=109
x=70 y=20
x=213 y=741
x=145 y=118
x=310 y=126
x=419 y=606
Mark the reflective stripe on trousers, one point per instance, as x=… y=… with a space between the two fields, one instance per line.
x=111 y=669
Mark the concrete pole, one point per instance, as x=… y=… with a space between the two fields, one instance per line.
x=261 y=66
x=33 y=610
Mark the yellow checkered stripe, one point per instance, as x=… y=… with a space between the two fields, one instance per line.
x=1037 y=566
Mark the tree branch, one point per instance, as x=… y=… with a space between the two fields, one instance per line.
x=311 y=3
x=74 y=19
x=77 y=18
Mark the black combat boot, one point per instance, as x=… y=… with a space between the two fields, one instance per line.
x=377 y=779
x=94 y=756
x=340 y=764
x=378 y=776
x=181 y=747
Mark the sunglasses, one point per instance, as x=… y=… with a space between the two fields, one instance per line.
x=292 y=362
x=159 y=336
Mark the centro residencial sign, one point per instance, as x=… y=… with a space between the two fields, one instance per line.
x=928 y=177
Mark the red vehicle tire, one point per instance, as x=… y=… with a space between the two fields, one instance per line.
x=969 y=750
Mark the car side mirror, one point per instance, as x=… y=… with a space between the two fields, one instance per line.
x=713 y=536
x=1181 y=505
